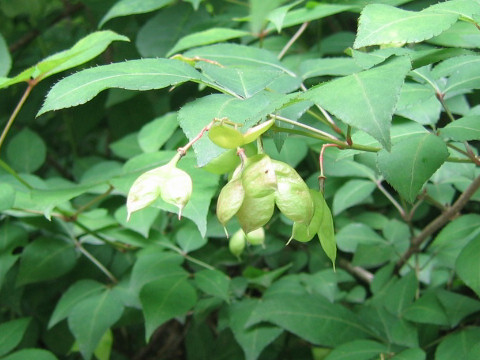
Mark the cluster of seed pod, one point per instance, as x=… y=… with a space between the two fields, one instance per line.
x=257 y=186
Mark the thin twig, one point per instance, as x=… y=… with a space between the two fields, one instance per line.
x=31 y=85
x=97 y=263
x=183 y=150
x=357 y=271
x=294 y=38
x=306 y=127
x=438 y=222
x=395 y=203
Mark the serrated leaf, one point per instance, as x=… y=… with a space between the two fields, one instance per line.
x=351 y=193
x=205 y=37
x=130 y=7
x=84 y=50
x=367 y=101
x=26 y=151
x=213 y=282
x=44 y=259
x=464 y=129
x=91 y=318
x=384 y=24
x=311 y=317
x=143 y=74
x=77 y=292
x=165 y=299
x=252 y=340
x=411 y=163
x=12 y=333
x=467 y=265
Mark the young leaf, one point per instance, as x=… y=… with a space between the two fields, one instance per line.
x=384 y=24
x=12 y=333
x=411 y=163
x=130 y=7
x=210 y=36
x=365 y=100
x=165 y=299
x=144 y=74
x=91 y=318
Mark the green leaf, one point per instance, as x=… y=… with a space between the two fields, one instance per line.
x=12 y=333
x=252 y=340
x=91 y=318
x=311 y=317
x=457 y=306
x=5 y=59
x=458 y=344
x=189 y=238
x=277 y=15
x=205 y=37
x=328 y=66
x=352 y=235
x=11 y=237
x=426 y=310
x=259 y=11
x=461 y=34
x=26 y=151
x=84 y=50
x=7 y=196
x=411 y=354
x=467 y=265
x=384 y=24
x=411 y=163
x=165 y=299
x=79 y=291
x=37 y=354
x=144 y=74
x=457 y=63
x=352 y=193
x=130 y=7
x=140 y=221
x=462 y=8
x=464 y=129
x=367 y=101
x=45 y=259
x=401 y=294
x=153 y=135
x=214 y=282
x=358 y=350
x=326 y=232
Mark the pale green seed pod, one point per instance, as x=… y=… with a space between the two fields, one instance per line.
x=256 y=237
x=255 y=212
x=292 y=196
x=258 y=176
x=304 y=232
x=236 y=244
x=253 y=133
x=230 y=200
x=225 y=136
x=177 y=188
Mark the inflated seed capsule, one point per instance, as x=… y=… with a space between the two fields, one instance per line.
x=255 y=212
x=236 y=244
x=253 y=133
x=225 y=136
x=258 y=176
x=256 y=237
x=304 y=232
x=292 y=196
x=176 y=189
x=230 y=200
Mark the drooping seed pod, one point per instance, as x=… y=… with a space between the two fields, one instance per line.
x=292 y=196
x=258 y=176
x=225 y=136
x=236 y=244
x=255 y=212
x=254 y=132
x=256 y=237
x=177 y=188
x=230 y=200
x=304 y=232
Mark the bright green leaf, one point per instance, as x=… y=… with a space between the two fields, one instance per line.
x=353 y=192
x=45 y=259
x=154 y=134
x=189 y=238
x=328 y=67
x=383 y=24
x=464 y=129
x=210 y=36
x=365 y=100
x=7 y=196
x=353 y=234
x=144 y=74
x=165 y=299
x=130 y=7
x=411 y=163
x=37 y=354
x=467 y=265
x=5 y=59
x=326 y=232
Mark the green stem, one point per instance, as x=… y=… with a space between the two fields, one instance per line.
x=12 y=172
x=440 y=98
x=306 y=127
x=294 y=38
x=94 y=260
x=92 y=202
x=31 y=85
x=188 y=257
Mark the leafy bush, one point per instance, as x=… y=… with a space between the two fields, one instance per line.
x=261 y=116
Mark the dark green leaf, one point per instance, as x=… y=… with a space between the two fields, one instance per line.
x=467 y=265
x=411 y=163
x=189 y=238
x=12 y=333
x=426 y=310
x=37 y=354
x=45 y=259
x=7 y=196
x=457 y=306
x=358 y=350
x=165 y=299
x=5 y=59
x=401 y=294
x=367 y=101
x=458 y=344
x=26 y=151
x=213 y=282
x=154 y=134
x=411 y=354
